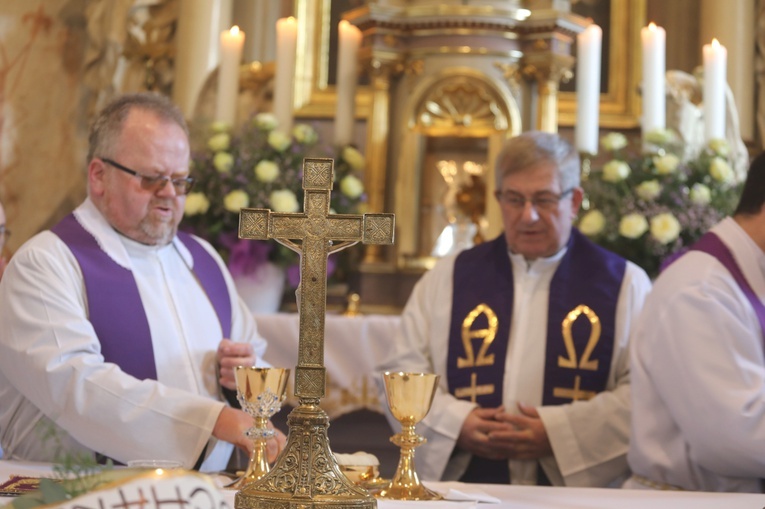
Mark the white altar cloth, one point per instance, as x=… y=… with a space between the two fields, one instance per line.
x=351 y=346
x=510 y=497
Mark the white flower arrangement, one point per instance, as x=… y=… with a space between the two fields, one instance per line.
x=645 y=208
x=259 y=166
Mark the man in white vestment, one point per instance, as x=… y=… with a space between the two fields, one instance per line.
x=529 y=333
x=120 y=334
x=698 y=362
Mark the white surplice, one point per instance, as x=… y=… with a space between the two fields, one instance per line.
x=53 y=377
x=589 y=438
x=698 y=374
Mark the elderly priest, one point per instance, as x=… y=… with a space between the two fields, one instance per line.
x=529 y=333
x=119 y=332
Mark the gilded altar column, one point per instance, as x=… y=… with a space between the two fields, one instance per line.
x=378 y=128
x=547 y=70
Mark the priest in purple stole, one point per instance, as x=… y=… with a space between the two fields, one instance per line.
x=698 y=367
x=120 y=334
x=530 y=334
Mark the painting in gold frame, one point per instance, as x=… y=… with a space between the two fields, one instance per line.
x=620 y=98
x=619 y=101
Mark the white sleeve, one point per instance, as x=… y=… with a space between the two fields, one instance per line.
x=51 y=359
x=421 y=345
x=590 y=439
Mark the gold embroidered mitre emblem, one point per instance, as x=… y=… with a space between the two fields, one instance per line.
x=573 y=361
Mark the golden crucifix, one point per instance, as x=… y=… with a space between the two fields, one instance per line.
x=306 y=474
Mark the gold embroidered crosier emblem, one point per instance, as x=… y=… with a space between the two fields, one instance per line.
x=584 y=362
x=470 y=360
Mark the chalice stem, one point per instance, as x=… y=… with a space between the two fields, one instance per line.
x=258 y=465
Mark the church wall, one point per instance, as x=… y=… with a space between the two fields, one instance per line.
x=42 y=153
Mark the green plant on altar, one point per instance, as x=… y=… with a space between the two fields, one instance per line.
x=74 y=474
x=653 y=205
x=259 y=166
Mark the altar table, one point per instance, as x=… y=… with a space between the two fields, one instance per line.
x=510 y=497
x=351 y=347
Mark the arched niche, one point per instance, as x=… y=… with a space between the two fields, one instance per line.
x=454 y=125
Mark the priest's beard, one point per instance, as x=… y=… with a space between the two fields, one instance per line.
x=160 y=232
x=153 y=229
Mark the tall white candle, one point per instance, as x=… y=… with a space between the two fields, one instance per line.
x=349 y=38
x=196 y=50
x=715 y=63
x=653 y=40
x=231 y=44
x=588 y=49
x=284 y=80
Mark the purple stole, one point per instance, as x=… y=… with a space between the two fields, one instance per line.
x=114 y=305
x=711 y=244
x=580 y=327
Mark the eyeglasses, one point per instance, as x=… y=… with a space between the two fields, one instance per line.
x=544 y=201
x=182 y=185
x=4 y=233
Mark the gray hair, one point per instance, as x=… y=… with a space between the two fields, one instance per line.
x=108 y=124
x=534 y=147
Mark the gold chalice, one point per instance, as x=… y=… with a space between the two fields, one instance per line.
x=409 y=398
x=260 y=392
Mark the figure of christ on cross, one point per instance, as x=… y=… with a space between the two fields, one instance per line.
x=314 y=234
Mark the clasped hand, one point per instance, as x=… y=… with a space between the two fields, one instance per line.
x=495 y=434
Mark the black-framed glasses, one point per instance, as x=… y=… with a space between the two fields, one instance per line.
x=182 y=185
x=544 y=201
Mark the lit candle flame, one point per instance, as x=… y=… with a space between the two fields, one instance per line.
x=715 y=43
x=651 y=26
x=234 y=30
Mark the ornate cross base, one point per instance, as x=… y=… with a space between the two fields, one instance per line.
x=306 y=475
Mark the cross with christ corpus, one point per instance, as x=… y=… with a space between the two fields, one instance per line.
x=319 y=234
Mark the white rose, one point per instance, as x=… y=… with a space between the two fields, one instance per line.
x=219 y=126
x=266 y=171
x=665 y=227
x=223 y=162
x=354 y=158
x=236 y=200
x=219 y=142
x=633 y=226
x=719 y=146
x=266 y=121
x=613 y=141
x=279 y=141
x=700 y=194
x=284 y=201
x=592 y=223
x=615 y=171
x=666 y=164
x=649 y=190
x=305 y=134
x=351 y=186
x=721 y=170
x=660 y=136
x=196 y=203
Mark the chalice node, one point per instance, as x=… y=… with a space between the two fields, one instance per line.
x=410 y=396
x=260 y=392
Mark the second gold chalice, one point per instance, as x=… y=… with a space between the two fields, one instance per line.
x=409 y=398
x=260 y=392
